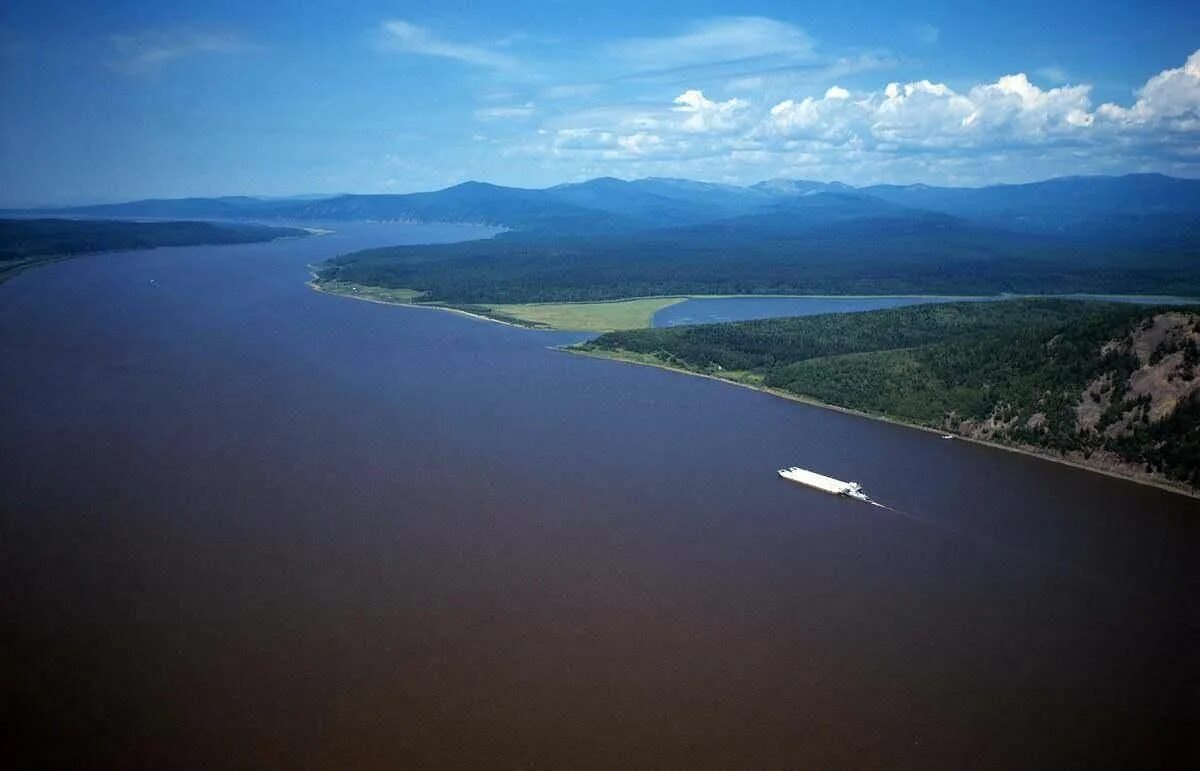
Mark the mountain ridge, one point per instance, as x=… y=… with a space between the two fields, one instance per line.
x=608 y=203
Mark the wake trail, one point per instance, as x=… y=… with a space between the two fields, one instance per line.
x=1050 y=563
x=915 y=518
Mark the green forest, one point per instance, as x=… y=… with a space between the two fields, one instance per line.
x=1011 y=371
x=25 y=242
x=928 y=255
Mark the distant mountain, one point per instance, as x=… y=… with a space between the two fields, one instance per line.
x=792 y=216
x=657 y=202
x=664 y=202
x=794 y=187
x=1152 y=209
x=533 y=211
x=474 y=202
x=1132 y=205
x=228 y=207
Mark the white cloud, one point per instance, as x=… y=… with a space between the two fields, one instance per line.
x=506 y=113
x=1171 y=99
x=921 y=129
x=705 y=115
x=717 y=41
x=639 y=144
x=149 y=49
x=927 y=114
x=1054 y=74
x=403 y=36
x=572 y=90
x=751 y=83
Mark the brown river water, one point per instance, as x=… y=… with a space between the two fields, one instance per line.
x=249 y=525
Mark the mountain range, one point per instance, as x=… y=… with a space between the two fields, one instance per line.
x=1136 y=206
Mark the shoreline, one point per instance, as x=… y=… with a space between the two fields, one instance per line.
x=22 y=265
x=311 y=284
x=1161 y=484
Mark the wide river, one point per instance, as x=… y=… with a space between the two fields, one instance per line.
x=249 y=525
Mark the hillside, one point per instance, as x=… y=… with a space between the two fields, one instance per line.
x=848 y=247
x=1132 y=206
x=1114 y=387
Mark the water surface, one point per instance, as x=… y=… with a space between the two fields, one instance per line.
x=250 y=525
x=712 y=310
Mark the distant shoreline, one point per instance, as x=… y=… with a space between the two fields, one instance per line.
x=1161 y=484
x=313 y=285
x=14 y=267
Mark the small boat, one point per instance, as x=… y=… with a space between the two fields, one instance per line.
x=947 y=436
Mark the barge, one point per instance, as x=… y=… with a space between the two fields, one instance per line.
x=824 y=484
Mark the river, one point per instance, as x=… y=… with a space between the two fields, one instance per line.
x=246 y=524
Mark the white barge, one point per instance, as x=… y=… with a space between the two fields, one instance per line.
x=823 y=483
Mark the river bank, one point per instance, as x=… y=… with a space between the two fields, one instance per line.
x=1034 y=452
x=323 y=289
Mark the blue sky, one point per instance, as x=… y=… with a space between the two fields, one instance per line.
x=117 y=100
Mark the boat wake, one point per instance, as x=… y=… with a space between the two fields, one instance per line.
x=914 y=517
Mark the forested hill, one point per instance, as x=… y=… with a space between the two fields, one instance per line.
x=1135 y=234
x=24 y=242
x=778 y=253
x=1113 y=386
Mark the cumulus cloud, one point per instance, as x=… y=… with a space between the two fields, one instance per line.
x=923 y=127
x=705 y=115
x=403 y=36
x=1170 y=99
x=149 y=49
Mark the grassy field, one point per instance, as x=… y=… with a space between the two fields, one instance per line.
x=582 y=317
x=588 y=317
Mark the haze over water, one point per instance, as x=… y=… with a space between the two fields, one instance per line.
x=247 y=524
